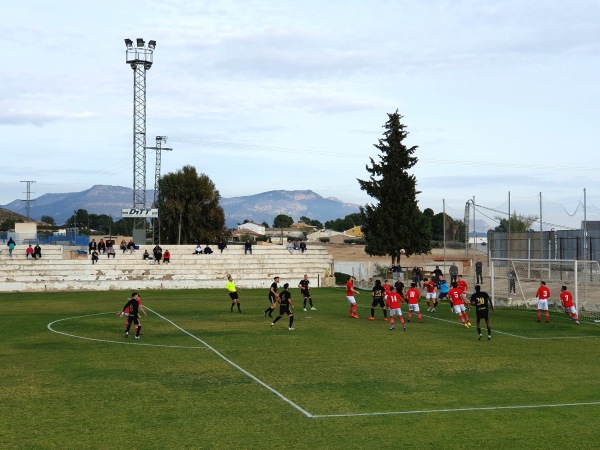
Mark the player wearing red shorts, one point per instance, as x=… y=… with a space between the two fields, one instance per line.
x=458 y=304
x=413 y=296
x=567 y=301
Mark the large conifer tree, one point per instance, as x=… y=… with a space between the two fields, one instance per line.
x=395 y=222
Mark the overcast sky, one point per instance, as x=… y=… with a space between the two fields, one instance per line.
x=261 y=95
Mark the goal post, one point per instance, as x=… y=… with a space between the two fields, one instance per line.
x=514 y=283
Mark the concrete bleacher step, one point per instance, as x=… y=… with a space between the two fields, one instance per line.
x=57 y=270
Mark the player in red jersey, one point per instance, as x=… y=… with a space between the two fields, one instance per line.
x=413 y=295
x=567 y=301
x=393 y=301
x=458 y=304
x=386 y=286
x=543 y=294
x=463 y=286
x=430 y=287
x=350 y=291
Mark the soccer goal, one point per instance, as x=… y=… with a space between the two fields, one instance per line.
x=514 y=283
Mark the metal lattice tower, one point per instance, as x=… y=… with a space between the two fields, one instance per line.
x=159 y=148
x=28 y=201
x=140 y=59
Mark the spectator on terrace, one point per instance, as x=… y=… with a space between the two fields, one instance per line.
x=29 y=251
x=131 y=246
x=146 y=254
x=248 y=247
x=94 y=257
x=37 y=252
x=157 y=251
x=207 y=250
x=101 y=247
x=303 y=246
x=11 y=246
x=111 y=252
x=198 y=250
x=167 y=257
x=123 y=246
x=92 y=246
x=222 y=246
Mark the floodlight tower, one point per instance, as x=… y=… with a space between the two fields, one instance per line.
x=139 y=57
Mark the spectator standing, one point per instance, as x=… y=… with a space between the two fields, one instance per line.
x=248 y=247
x=512 y=281
x=221 y=246
x=11 y=246
x=92 y=246
x=453 y=271
x=101 y=247
x=157 y=251
x=479 y=272
x=37 y=252
x=437 y=275
x=94 y=257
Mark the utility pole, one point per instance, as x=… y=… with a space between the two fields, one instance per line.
x=158 y=148
x=28 y=201
x=140 y=59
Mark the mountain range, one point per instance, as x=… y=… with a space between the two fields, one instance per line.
x=263 y=207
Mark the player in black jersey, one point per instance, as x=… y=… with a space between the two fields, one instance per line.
x=482 y=303
x=134 y=306
x=378 y=294
x=285 y=306
x=272 y=297
x=305 y=291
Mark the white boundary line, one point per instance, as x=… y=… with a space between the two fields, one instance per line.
x=106 y=340
x=297 y=407
x=245 y=372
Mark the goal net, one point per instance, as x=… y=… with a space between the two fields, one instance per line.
x=514 y=283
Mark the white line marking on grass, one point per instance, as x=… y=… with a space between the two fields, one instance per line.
x=106 y=340
x=245 y=372
x=426 y=411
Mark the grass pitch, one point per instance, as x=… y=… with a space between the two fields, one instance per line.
x=204 y=377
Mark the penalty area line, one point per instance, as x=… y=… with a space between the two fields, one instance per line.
x=245 y=372
x=453 y=410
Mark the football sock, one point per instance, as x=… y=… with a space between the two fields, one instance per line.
x=305 y=303
x=385 y=313
x=233 y=303
x=547 y=316
x=428 y=304
x=276 y=319
x=539 y=314
x=310 y=301
x=402 y=320
x=239 y=309
x=489 y=331
x=466 y=317
x=127 y=328
x=462 y=319
x=372 y=312
x=392 y=320
x=138 y=330
x=409 y=316
x=291 y=321
x=575 y=317
x=419 y=318
x=137 y=327
x=479 y=331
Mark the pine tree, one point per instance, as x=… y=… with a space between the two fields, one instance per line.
x=395 y=222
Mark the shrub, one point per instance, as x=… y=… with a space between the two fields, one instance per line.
x=341 y=278
x=324 y=240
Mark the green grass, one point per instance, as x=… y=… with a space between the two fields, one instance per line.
x=60 y=391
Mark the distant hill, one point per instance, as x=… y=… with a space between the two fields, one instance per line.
x=264 y=207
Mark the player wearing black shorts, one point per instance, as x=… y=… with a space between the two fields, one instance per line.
x=134 y=306
x=305 y=291
x=285 y=306
x=272 y=297
x=378 y=294
x=482 y=303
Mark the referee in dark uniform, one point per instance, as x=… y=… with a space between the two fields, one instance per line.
x=285 y=306
x=482 y=303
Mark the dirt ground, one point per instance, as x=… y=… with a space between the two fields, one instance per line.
x=350 y=252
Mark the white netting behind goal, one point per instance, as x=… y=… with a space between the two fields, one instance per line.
x=514 y=283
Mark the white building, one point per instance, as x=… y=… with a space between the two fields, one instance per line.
x=259 y=229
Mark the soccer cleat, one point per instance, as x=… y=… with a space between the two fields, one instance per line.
x=127 y=334
x=428 y=309
x=479 y=338
x=489 y=337
x=265 y=313
x=404 y=328
x=272 y=323
x=577 y=322
x=385 y=319
x=466 y=325
x=137 y=337
x=312 y=308
x=393 y=327
x=291 y=328
x=304 y=310
x=355 y=316
x=371 y=318
x=432 y=309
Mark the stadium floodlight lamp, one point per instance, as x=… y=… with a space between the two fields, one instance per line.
x=129 y=43
x=152 y=45
x=140 y=42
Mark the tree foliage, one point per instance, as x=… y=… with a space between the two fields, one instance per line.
x=189 y=208
x=282 y=221
x=313 y=223
x=48 y=219
x=395 y=222
x=348 y=222
x=516 y=224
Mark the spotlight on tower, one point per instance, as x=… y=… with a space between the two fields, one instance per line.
x=152 y=45
x=140 y=42
x=129 y=43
